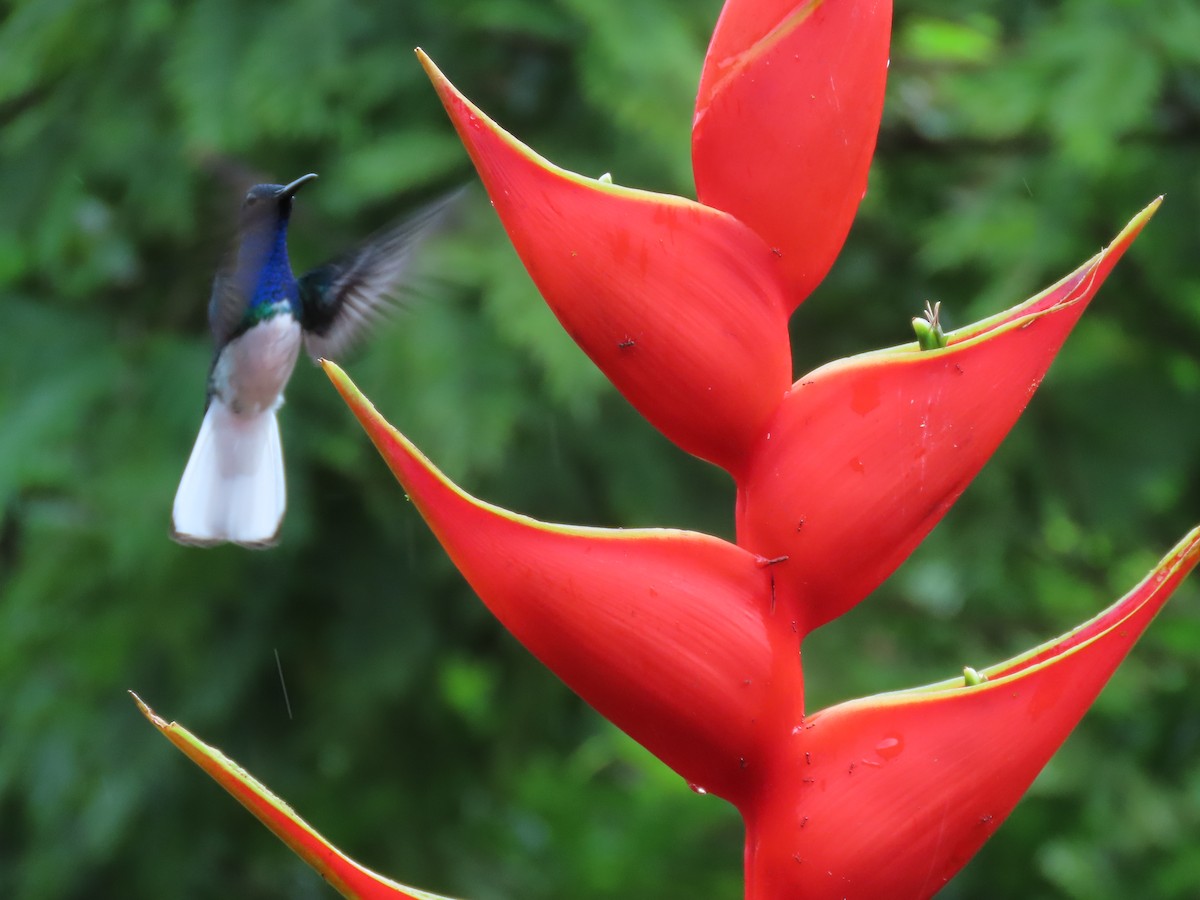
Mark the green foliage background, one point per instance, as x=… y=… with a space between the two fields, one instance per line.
x=1019 y=137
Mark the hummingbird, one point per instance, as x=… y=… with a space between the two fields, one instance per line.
x=233 y=487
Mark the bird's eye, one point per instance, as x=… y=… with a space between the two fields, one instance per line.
x=251 y=199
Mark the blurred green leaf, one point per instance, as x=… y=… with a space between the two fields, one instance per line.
x=975 y=41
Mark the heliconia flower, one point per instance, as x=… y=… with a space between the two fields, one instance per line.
x=343 y=874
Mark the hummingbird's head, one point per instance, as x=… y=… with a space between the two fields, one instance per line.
x=271 y=202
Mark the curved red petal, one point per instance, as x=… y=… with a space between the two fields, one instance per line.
x=890 y=796
x=345 y=875
x=679 y=305
x=663 y=632
x=868 y=453
x=786 y=119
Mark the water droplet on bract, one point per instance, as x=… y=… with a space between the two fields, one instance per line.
x=890 y=747
x=696 y=788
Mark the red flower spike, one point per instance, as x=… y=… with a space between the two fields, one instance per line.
x=663 y=632
x=343 y=874
x=868 y=453
x=891 y=795
x=678 y=304
x=786 y=120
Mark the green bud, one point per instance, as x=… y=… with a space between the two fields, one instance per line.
x=929 y=330
x=926 y=338
x=973 y=677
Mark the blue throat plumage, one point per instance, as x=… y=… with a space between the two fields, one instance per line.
x=274 y=291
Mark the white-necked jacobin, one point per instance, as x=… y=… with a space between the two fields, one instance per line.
x=233 y=489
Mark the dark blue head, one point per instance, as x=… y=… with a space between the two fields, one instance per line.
x=268 y=205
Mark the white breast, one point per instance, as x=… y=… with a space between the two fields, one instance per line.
x=253 y=369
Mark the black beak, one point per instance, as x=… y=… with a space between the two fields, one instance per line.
x=288 y=189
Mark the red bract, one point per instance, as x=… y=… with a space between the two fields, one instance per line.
x=866 y=454
x=342 y=873
x=664 y=632
x=680 y=305
x=786 y=118
x=891 y=795
x=689 y=643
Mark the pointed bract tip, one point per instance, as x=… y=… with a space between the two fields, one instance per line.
x=378 y=429
x=341 y=381
x=1138 y=222
x=431 y=69
x=156 y=720
x=446 y=91
x=1150 y=594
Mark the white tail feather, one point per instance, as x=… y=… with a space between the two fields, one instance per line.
x=233 y=487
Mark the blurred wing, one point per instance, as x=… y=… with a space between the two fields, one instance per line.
x=342 y=298
x=233 y=286
x=226 y=308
